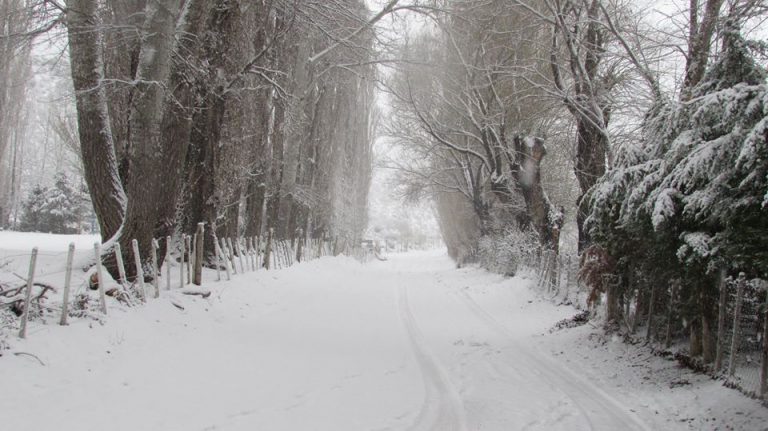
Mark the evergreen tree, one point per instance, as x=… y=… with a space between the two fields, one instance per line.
x=32 y=219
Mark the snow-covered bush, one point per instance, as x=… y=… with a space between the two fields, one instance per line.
x=57 y=209
x=699 y=178
x=506 y=252
x=691 y=197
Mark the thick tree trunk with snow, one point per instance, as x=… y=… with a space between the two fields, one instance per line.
x=591 y=151
x=545 y=219
x=152 y=160
x=96 y=143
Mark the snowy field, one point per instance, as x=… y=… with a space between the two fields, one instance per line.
x=407 y=344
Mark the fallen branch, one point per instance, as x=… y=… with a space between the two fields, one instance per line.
x=196 y=292
x=30 y=355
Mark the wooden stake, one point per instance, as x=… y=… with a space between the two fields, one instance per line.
x=199 y=239
x=139 y=269
x=100 y=278
x=168 y=262
x=67 y=281
x=188 y=249
x=240 y=255
x=218 y=258
x=120 y=265
x=223 y=256
x=155 y=270
x=181 y=260
x=259 y=262
x=231 y=250
x=268 y=249
x=28 y=294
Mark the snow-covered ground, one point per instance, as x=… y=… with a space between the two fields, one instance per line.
x=407 y=344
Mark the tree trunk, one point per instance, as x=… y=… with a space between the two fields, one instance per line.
x=152 y=161
x=96 y=145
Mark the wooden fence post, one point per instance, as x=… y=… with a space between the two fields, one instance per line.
x=100 y=278
x=155 y=269
x=251 y=252
x=257 y=246
x=218 y=258
x=223 y=257
x=740 y=284
x=67 y=281
x=231 y=252
x=240 y=254
x=188 y=250
x=181 y=260
x=721 y=313
x=120 y=265
x=199 y=245
x=28 y=294
x=139 y=269
x=168 y=262
x=268 y=249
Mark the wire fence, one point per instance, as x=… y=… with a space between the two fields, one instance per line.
x=40 y=286
x=732 y=342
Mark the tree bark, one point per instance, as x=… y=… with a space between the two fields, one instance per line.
x=96 y=142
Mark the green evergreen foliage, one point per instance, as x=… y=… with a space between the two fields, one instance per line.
x=698 y=180
x=57 y=209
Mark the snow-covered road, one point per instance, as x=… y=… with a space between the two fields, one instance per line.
x=407 y=344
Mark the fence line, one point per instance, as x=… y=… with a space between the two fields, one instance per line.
x=250 y=253
x=740 y=331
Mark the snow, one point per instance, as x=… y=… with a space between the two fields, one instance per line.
x=410 y=343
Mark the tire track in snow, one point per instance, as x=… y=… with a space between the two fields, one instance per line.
x=442 y=409
x=600 y=410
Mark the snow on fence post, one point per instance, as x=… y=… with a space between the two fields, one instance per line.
x=283 y=254
x=223 y=257
x=28 y=294
x=120 y=264
x=181 y=260
x=139 y=269
x=168 y=262
x=192 y=257
x=268 y=249
x=199 y=245
x=188 y=249
x=251 y=251
x=67 y=281
x=240 y=255
x=277 y=254
x=155 y=269
x=100 y=278
x=231 y=253
x=721 y=313
x=218 y=258
x=740 y=283
x=257 y=246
